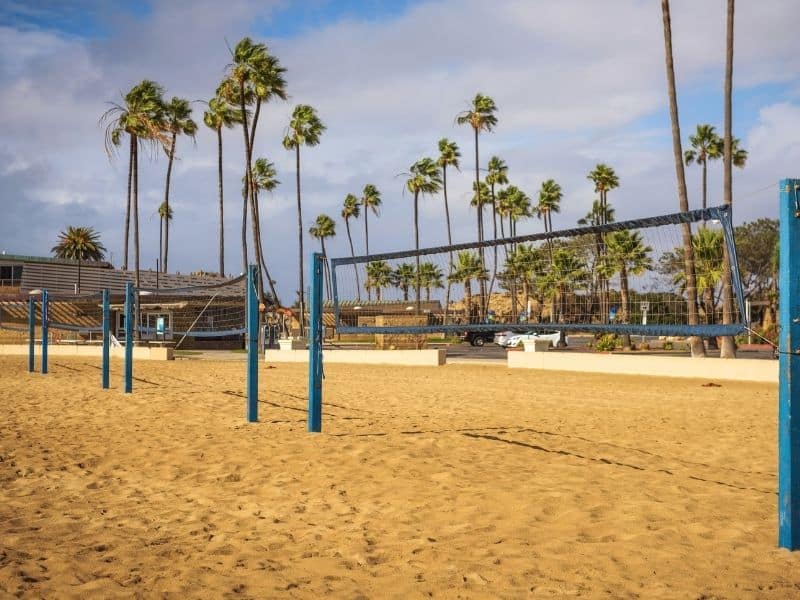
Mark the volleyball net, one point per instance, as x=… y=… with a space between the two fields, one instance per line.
x=626 y=277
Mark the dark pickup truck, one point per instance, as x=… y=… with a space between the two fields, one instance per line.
x=479 y=338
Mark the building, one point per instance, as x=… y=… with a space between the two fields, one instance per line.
x=210 y=317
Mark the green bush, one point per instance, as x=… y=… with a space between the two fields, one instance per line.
x=607 y=343
x=667 y=345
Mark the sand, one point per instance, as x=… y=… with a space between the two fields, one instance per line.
x=464 y=481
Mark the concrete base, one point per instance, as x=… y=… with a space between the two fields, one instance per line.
x=740 y=369
x=139 y=352
x=417 y=358
x=536 y=345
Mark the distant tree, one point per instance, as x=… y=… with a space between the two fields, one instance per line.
x=430 y=277
x=404 y=277
x=352 y=210
x=305 y=129
x=627 y=255
x=566 y=273
x=449 y=156
x=468 y=267
x=221 y=114
x=324 y=227
x=265 y=178
x=423 y=178
x=177 y=121
x=165 y=213
x=706 y=145
x=379 y=276
x=80 y=244
x=140 y=116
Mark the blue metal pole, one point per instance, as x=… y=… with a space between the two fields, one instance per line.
x=106 y=337
x=789 y=332
x=252 y=345
x=315 y=346
x=128 y=337
x=31 y=334
x=45 y=317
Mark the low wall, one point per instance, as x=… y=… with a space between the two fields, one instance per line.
x=139 y=352
x=418 y=358
x=740 y=369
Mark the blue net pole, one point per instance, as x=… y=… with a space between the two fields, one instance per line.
x=44 y=331
x=106 y=337
x=31 y=334
x=789 y=331
x=252 y=345
x=128 y=383
x=315 y=346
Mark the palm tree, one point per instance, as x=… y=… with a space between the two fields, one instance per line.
x=264 y=178
x=525 y=264
x=520 y=207
x=430 y=277
x=423 y=178
x=706 y=146
x=379 y=276
x=695 y=343
x=566 y=273
x=140 y=116
x=468 y=267
x=550 y=196
x=324 y=227
x=79 y=243
x=221 y=114
x=481 y=117
x=404 y=277
x=627 y=255
x=165 y=213
x=480 y=197
x=254 y=76
x=605 y=179
x=449 y=156
x=598 y=215
x=709 y=260
x=352 y=210
x=177 y=121
x=305 y=129
x=370 y=200
x=497 y=175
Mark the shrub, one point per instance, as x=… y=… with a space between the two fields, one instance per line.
x=607 y=343
x=667 y=345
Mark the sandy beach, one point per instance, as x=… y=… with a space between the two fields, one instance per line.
x=464 y=481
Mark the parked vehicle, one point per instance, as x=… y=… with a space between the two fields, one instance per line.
x=501 y=337
x=551 y=336
x=478 y=338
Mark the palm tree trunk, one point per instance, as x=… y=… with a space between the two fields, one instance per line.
x=728 y=346
x=245 y=258
x=416 y=245
x=128 y=204
x=221 y=205
x=300 y=241
x=78 y=289
x=366 y=245
x=695 y=343
x=160 y=241
x=468 y=300
x=325 y=270
x=705 y=180
x=482 y=282
x=494 y=249
x=449 y=243
x=626 y=309
x=136 y=214
x=352 y=255
x=166 y=202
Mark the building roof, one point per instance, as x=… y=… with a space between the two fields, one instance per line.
x=20 y=258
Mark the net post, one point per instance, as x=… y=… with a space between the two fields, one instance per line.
x=315 y=346
x=252 y=345
x=31 y=334
x=789 y=332
x=128 y=383
x=45 y=317
x=106 y=337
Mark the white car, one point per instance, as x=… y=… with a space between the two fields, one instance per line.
x=516 y=340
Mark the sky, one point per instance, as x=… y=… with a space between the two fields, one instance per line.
x=575 y=82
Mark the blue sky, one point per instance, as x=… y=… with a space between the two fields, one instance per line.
x=576 y=83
